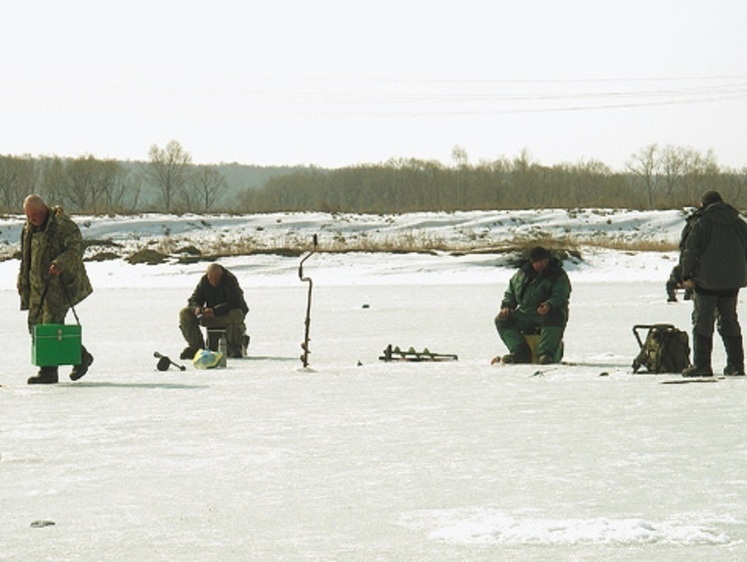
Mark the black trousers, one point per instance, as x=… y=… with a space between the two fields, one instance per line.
x=716 y=307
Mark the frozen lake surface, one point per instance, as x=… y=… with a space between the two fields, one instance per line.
x=357 y=459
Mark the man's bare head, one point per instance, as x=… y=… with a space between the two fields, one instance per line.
x=35 y=209
x=214 y=273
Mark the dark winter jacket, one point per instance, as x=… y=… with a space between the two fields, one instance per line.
x=690 y=221
x=223 y=298
x=527 y=289
x=58 y=241
x=715 y=252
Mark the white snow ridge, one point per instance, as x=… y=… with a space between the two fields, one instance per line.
x=486 y=527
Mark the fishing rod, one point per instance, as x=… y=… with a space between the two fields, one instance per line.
x=307 y=322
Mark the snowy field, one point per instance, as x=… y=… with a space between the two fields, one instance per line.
x=459 y=230
x=357 y=459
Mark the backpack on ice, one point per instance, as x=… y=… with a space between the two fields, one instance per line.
x=665 y=350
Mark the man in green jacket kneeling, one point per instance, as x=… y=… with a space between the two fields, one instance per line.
x=536 y=302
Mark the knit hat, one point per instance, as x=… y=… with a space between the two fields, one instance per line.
x=710 y=197
x=538 y=253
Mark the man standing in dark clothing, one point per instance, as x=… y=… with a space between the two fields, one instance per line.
x=217 y=302
x=536 y=302
x=714 y=263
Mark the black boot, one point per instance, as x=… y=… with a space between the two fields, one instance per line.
x=81 y=368
x=521 y=354
x=734 y=356
x=46 y=375
x=702 y=347
x=189 y=352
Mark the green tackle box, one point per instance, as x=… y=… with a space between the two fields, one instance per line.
x=56 y=344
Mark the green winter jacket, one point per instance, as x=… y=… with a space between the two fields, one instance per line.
x=527 y=289
x=60 y=242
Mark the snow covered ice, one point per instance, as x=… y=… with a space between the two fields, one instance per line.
x=357 y=459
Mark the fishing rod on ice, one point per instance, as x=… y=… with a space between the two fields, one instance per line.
x=307 y=322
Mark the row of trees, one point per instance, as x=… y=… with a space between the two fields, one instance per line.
x=654 y=177
x=168 y=182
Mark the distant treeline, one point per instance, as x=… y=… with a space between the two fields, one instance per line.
x=167 y=182
x=655 y=177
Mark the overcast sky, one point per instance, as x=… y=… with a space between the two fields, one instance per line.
x=334 y=83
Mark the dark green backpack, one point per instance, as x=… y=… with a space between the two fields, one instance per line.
x=665 y=350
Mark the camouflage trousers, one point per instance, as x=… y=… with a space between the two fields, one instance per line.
x=51 y=311
x=232 y=323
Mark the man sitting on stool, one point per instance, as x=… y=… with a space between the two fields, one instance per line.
x=536 y=301
x=216 y=303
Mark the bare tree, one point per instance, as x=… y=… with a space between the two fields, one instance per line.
x=461 y=162
x=645 y=166
x=673 y=164
x=459 y=156
x=169 y=170
x=583 y=181
x=683 y=170
x=120 y=189
x=736 y=181
x=18 y=177
x=53 y=181
x=524 y=181
x=209 y=185
x=84 y=186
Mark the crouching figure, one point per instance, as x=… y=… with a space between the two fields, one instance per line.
x=535 y=303
x=217 y=303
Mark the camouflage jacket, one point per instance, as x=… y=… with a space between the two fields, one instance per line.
x=59 y=242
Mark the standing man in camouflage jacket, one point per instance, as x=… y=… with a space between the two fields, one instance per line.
x=51 y=257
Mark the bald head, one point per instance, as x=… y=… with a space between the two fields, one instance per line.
x=214 y=273
x=35 y=209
